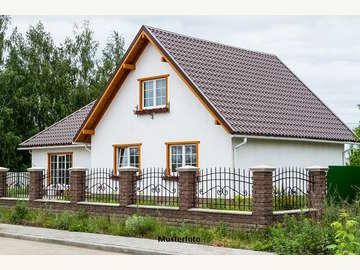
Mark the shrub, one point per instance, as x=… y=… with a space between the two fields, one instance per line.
x=300 y=236
x=347 y=238
x=19 y=213
x=139 y=225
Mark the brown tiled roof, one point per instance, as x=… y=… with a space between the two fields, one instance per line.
x=255 y=93
x=61 y=132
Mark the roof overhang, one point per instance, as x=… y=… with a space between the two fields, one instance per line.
x=141 y=40
x=294 y=139
x=77 y=145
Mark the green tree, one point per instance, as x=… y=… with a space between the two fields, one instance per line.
x=355 y=152
x=40 y=82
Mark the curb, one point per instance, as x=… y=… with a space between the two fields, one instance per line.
x=110 y=248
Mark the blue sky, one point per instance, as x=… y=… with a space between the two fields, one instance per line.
x=323 y=51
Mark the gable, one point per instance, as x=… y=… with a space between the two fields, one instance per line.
x=128 y=63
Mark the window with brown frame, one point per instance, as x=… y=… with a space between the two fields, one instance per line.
x=153 y=93
x=126 y=155
x=180 y=154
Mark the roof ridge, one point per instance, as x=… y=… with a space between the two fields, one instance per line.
x=209 y=41
x=56 y=123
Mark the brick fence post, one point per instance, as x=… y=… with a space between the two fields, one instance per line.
x=187 y=187
x=262 y=194
x=77 y=184
x=317 y=188
x=127 y=184
x=36 y=183
x=3 y=183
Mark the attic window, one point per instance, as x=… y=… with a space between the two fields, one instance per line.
x=153 y=92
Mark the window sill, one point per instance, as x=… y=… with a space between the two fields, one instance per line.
x=152 y=111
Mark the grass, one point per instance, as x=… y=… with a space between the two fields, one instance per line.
x=18 y=192
x=133 y=226
x=299 y=235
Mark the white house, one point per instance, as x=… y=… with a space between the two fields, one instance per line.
x=176 y=100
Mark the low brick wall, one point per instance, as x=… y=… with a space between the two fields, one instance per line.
x=171 y=215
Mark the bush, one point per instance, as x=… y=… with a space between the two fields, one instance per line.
x=140 y=226
x=300 y=236
x=347 y=238
x=19 y=213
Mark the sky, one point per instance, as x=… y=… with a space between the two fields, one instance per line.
x=323 y=51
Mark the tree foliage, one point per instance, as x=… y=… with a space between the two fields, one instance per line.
x=41 y=82
x=355 y=152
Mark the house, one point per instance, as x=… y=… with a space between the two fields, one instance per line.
x=176 y=100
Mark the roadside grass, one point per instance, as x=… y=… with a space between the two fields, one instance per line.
x=337 y=232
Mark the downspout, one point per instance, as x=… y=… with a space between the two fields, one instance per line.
x=236 y=147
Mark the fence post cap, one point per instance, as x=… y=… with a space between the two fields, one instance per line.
x=35 y=169
x=3 y=169
x=187 y=168
x=262 y=168
x=316 y=168
x=78 y=169
x=128 y=169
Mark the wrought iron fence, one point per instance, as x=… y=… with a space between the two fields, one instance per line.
x=56 y=185
x=17 y=184
x=224 y=189
x=101 y=185
x=154 y=187
x=291 y=187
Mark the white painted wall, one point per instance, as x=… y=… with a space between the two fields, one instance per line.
x=81 y=157
x=187 y=120
x=279 y=153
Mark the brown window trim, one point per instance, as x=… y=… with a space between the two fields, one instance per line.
x=48 y=162
x=141 y=80
x=115 y=146
x=168 y=144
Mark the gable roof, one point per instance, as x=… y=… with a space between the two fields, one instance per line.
x=249 y=93
x=61 y=132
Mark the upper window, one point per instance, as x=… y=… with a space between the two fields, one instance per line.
x=182 y=154
x=153 y=92
x=126 y=155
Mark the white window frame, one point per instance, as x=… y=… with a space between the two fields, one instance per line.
x=128 y=156
x=183 y=153
x=154 y=94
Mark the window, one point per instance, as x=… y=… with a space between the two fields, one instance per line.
x=153 y=92
x=58 y=168
x=126 y=155
x=181 y=154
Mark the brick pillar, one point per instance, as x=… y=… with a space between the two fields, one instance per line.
x=262 y=194
x=77 y=184
x=187 y=187
x=36 y=183
x=317 y=188
x=3 y=184
x=127 y=184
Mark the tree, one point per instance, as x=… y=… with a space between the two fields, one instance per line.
x=355 y=152
x=40 y=82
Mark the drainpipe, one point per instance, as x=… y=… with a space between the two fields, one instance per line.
x=236 y=147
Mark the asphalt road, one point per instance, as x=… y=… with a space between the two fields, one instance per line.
x=9 y=246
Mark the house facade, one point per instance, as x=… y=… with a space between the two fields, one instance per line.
x=176 y=100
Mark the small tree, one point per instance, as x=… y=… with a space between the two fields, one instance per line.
x=355 y=152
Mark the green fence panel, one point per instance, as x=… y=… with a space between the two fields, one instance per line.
x=343 y=182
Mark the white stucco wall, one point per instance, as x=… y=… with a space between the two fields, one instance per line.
x=81 y=157
x=279 y=153
x=188 y=120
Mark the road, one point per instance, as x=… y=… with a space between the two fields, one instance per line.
x=9 y=246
